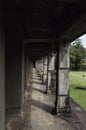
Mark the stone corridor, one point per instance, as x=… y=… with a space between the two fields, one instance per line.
x=37 y=111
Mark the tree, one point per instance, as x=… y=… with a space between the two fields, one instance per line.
x=77 y=55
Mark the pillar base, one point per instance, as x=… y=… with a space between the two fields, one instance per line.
x=61 y=111
x=64 y=110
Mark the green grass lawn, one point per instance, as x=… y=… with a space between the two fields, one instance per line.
x=78 y=87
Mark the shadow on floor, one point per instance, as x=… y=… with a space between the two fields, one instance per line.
x=36 y=82
x=43 y=106
x=36 y=78
x=39 y=90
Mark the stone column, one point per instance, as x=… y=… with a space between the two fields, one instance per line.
x=28 y=70
x=23 y=77
x=47 y=88
x=2 y=77
x=39 y=67
x=62 y=80
x=45 y=70
x=63 y=100
x=51 y=72
x=13 y=64
x=42 y=69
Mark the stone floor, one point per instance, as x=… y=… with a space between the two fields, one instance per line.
x=37 y=111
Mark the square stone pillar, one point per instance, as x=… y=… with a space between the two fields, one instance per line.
x=39 y=67
x=28 y=69
x=2 y=79
x=45 y=70
x=13 y=67
x=2 y=70
x=62 y=80
x=23 y=78
x=51 y=73
x=47 y=87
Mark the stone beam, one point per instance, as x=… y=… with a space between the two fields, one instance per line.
x=36 y=40
x=73 y=1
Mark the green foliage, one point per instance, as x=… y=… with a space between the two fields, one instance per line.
x=77 y=55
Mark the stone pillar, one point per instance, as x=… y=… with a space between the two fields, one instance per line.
x=63 y=100
x=23 y=77
x=2 y=75
x=62 y=80
x=13 y=77
x=28 y=71
x=47 y=87
x=45 y=70
x=13 y=63
x=39 y=67
x=51 y=73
